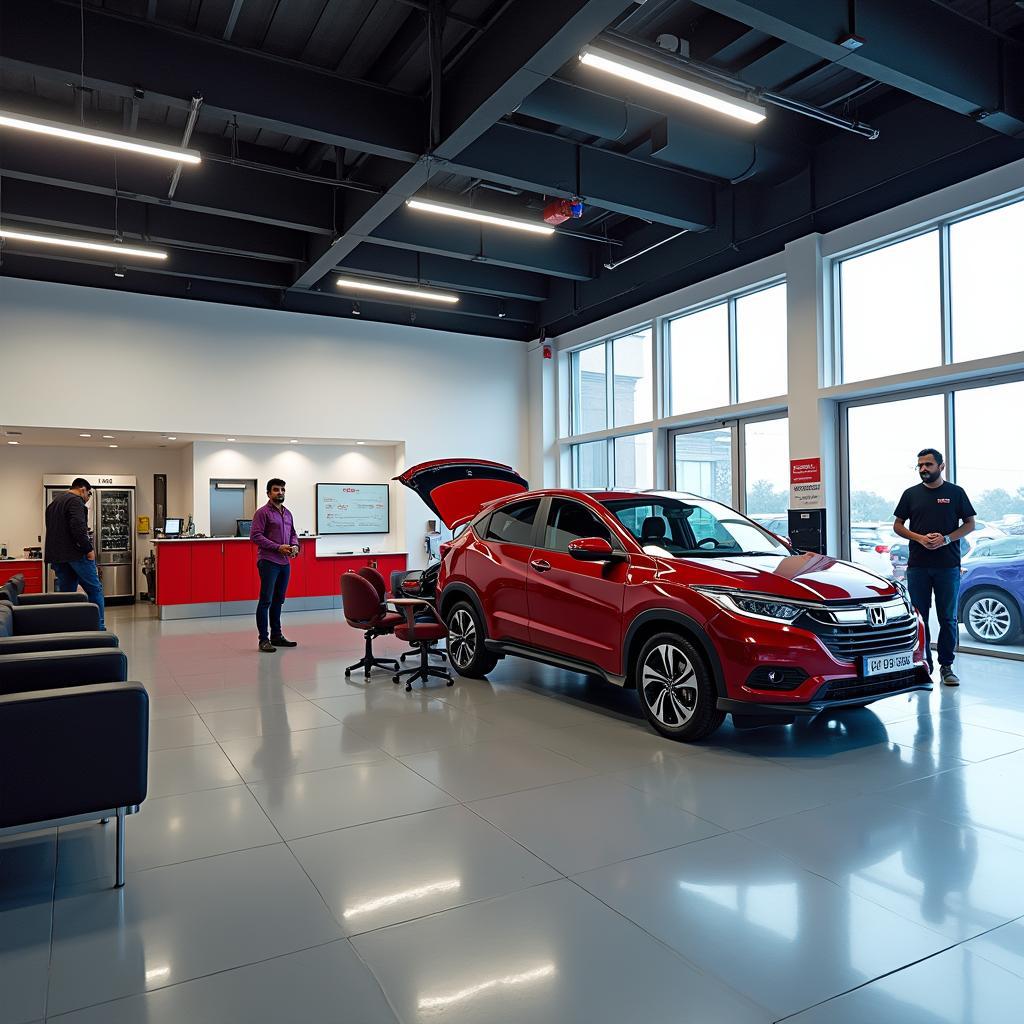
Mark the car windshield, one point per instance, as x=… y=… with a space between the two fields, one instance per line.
x=694 y=528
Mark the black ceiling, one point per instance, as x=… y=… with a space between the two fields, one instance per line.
x=318 y=120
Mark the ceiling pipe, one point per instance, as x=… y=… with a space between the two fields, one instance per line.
x=690 y=143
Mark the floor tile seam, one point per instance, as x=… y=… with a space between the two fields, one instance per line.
x=265 y=735
x=988 y=959
x=675 y=953
x=373 y=974
x=665 y=802
x=312 y=771
x=371 y=821
x=189 y=981
x=53 y=913
x=186 y=746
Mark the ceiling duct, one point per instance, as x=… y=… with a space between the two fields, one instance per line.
x=685 y=142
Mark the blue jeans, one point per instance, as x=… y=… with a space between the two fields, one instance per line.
x=944 y=584
x=83 y=571
x=273 y=587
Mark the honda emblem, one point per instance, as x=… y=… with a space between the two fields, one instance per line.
x=876 y=616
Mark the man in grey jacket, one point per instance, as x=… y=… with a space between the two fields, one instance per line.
x=69 y=548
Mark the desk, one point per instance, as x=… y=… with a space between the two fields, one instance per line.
x=217 y=576
x=32 y=568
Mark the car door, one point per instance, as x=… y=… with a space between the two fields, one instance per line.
x=499 y=566
x=576 y=607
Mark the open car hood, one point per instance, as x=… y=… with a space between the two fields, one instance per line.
x=456 y=489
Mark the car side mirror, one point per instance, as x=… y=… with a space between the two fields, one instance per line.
x=594 y=549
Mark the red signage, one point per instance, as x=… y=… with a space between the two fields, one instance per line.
x=805 y=471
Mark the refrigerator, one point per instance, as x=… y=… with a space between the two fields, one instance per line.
x=112 y=527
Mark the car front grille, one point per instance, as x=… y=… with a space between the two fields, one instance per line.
x=855 y=689
x=848 y=642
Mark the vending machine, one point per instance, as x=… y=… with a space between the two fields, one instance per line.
x=112 y=527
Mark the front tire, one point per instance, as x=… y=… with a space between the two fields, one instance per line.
x=466 y=651
x=676 y=689
x=992 y=617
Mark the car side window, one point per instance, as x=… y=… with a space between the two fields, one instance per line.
x=513 y=524
x=569 y=521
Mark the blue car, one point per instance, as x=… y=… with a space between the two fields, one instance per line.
x=992 y=591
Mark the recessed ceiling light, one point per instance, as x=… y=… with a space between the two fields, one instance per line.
x=293 y=441
x=108 y=437
x=427 y=294
x=85 y=435
x=232 y=438
x=480 y=216
x=172 y=437
x=111 y=445
x=360 y=442
x=73 y=242
x=12 y=119
x=14 y=442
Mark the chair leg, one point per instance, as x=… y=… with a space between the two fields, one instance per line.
x=119 y=867
x=424 y=670
x=369 y=661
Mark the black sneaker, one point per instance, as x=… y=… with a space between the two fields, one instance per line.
x=280 y=641
x=267 y=647
x=949 y=677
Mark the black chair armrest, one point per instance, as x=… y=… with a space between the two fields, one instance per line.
x=70 y=752
x=77 y=597
x=56 y=642
x=55 y=618
x=49 y=670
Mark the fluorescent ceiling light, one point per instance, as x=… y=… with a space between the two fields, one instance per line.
x=426 y=294
x=108 y=437
x=85 y=435
x=14 y=442
x=111 y=445
x=465 y=213
x=173 y=437
x=69 y=242
x=232 y=438
x=294 y=440
x=11 y=119
x=664 y=81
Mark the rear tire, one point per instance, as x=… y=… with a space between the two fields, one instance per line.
x=676 y=689
x=991 y=616
x=466 y=651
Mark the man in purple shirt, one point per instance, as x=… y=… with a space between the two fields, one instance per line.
x=273 y=533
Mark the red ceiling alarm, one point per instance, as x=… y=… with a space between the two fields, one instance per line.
x=561 y=210
x=547 y=351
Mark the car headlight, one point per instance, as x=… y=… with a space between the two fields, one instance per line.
x=757 y=607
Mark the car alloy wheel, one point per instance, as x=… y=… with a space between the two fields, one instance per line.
x=462 y=638
x=669 y=685
x=989 y=619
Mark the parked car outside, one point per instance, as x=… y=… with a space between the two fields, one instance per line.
x=869 y=546
x=694 y=605
x=992 y=591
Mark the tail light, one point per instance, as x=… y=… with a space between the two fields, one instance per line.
x=882 y=549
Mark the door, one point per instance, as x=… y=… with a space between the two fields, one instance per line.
x=499 y=568
x=576 y=607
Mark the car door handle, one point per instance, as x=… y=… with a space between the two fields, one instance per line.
x=540 y=565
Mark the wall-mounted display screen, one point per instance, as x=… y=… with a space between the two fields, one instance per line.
x=352 y=508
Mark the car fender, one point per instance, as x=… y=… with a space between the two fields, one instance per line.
x=459 y=589
x=693 y=629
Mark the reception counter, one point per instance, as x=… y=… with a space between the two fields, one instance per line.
x=217 y=576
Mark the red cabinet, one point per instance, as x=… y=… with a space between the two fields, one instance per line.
x=241 y=578
x=30 y=568
x=207 y=572
x=174 y=572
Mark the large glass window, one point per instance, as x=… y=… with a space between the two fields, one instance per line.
x=634 y=461
x=987 y=305
x=703 y=463
x=632 y=390
x=590 y=465
x=766 y=472
x=761 y=370
x=891 y=309
x=589 y=390
x=698 y=353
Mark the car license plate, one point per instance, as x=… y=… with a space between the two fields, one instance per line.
x=881 y=664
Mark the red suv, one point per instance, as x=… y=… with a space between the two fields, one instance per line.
x=695 y=606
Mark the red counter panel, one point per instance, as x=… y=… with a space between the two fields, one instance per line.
x=241 y=578
x=31 y=569
x=174 y=573
x=207 y=573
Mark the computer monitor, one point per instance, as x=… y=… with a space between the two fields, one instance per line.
x=172 y=527
x=243 y=527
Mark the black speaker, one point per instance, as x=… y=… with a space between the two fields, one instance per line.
x=159 y=500
x=807 y=529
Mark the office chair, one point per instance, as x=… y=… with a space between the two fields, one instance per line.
x=363 y=609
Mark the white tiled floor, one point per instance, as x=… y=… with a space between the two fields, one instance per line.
x=317 y=849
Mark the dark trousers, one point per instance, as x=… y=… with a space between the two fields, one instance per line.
x=273 y=587
x=82 y=571
x=944 y=585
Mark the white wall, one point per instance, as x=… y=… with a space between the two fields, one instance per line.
x=302 y=467
x=22 y=469
x=170 y=365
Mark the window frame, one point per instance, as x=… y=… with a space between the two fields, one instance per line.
x=609 y=443
x=609 y=380
x=541 y=544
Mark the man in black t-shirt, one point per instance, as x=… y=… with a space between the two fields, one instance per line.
x=940 y=513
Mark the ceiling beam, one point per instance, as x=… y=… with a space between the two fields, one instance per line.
x=215 y=188
x=555 y=166
x=917 y=46
x=396 y=264
x=123 y=55
x=524 y=46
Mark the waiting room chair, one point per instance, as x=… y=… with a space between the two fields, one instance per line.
x=421 y=632
x=74 y=740
x=59 y=617
x=364 y=609
x=14 y=591
x=23 y=631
